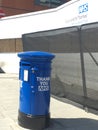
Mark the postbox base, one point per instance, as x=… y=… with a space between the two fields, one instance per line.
x=33 y=122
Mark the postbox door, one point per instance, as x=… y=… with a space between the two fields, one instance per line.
x=25 y=90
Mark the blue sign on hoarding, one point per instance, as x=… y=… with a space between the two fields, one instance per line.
x=83 y=8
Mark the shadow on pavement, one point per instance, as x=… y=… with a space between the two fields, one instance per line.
x=73 y=124
x=1 y=70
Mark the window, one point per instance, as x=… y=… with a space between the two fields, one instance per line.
x=50 y=3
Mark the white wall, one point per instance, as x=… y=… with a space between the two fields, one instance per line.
x=62 y=16
x=9 y=62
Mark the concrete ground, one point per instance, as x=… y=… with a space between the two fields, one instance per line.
x=64 y=116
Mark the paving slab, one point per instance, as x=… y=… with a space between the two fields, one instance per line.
x=64 y=116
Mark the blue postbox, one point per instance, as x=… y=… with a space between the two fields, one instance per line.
x=34 y=77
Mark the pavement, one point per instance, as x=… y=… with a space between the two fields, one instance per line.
x=64 y=115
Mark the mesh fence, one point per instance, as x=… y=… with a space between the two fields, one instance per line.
x=89 y=40
x=75 y=68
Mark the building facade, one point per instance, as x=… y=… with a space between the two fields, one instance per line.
x=14 y=7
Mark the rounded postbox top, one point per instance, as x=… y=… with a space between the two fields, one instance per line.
x=36 y=55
